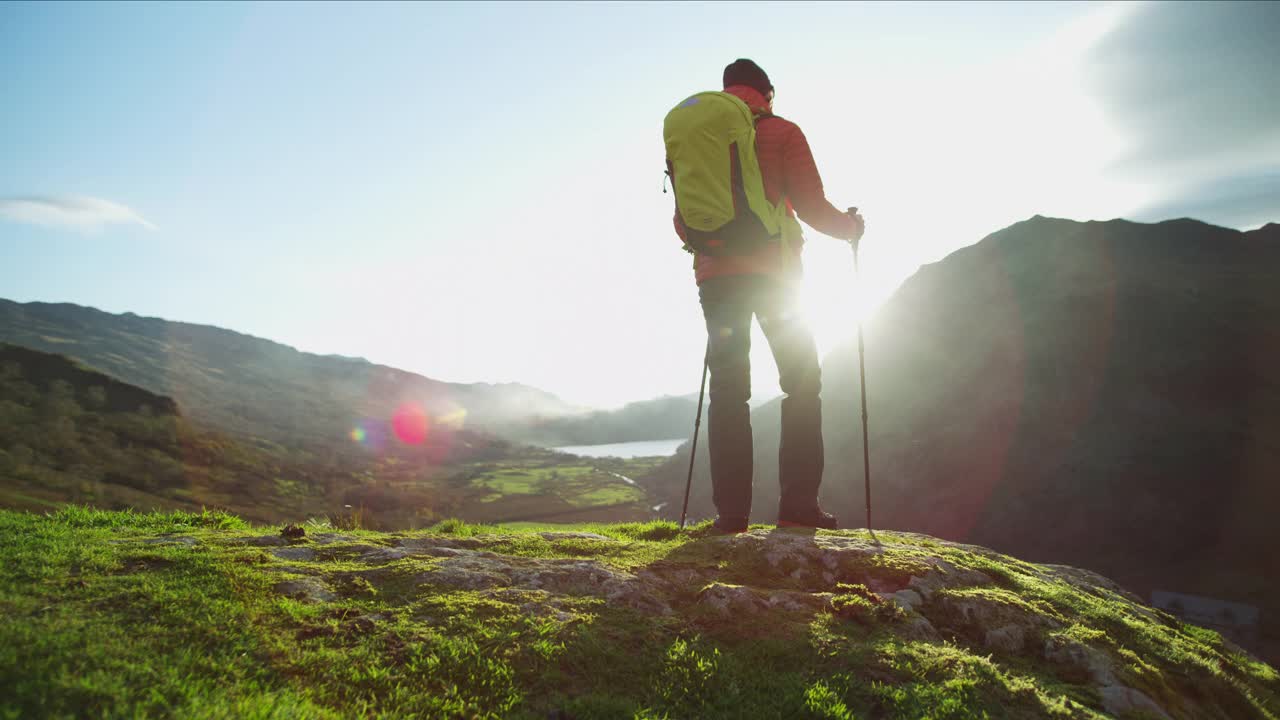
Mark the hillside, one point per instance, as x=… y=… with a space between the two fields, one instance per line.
x=1104 y=394
x=48 y=373
x=72 y=434
x=199 y=615
x=69 y=433
x=663 y=418
x=246 y=385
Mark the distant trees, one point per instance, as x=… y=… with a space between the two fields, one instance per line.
x=95 y=398
x=59 y=437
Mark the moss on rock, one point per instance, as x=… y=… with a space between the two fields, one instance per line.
x=594 y=621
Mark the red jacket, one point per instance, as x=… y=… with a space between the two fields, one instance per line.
x=789 y=172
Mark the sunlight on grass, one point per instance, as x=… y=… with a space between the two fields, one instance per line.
x=127 y=614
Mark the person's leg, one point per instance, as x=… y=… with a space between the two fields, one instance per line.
x=728 y=318
x=800 y=452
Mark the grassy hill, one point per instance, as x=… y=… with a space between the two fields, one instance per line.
x=241 y=384
x=124 y=615
x=69 y=433
x=246 y=385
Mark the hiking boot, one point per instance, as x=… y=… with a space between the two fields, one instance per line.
x=729 y=525
x=814 y=518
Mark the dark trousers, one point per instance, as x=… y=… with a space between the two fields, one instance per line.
x=728 y=304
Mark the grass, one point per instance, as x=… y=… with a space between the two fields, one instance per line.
x=141 y=615
x=577 y=485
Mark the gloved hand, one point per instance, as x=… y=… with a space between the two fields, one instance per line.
x=860 y=226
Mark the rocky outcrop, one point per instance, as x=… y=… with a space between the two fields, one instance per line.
x=917 y=588
x=830 y=624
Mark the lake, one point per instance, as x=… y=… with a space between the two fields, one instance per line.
x=642 y=448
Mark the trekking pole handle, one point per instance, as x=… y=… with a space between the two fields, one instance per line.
x=852 y=212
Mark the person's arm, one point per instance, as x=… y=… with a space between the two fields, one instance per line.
x=804 y=189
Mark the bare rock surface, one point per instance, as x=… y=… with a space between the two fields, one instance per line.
x=906 y=599
x=1080 y=662
x=1125 y=701
x=295 y=553
x=383 y=555
x=306 y=588
x=1007 y=639
x=294 y=570
x=171 y=540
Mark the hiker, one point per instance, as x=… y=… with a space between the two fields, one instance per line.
x=739 y=279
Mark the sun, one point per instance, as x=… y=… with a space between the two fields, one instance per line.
x=834 y=299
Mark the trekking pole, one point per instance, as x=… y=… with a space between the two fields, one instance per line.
x=697 y=423
x=862 y=390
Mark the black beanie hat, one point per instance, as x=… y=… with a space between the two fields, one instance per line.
x=745 y=72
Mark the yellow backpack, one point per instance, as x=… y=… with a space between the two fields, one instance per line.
x=711 y=159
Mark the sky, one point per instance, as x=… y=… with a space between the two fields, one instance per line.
x=473 y=191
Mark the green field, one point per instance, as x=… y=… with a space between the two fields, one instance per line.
x=556 y=487
x=578 y=485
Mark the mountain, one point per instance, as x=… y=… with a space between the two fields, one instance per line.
x=250 y=386
x=203 y=615
x=661 y=418
x=1102 y=394
x=1268 y=233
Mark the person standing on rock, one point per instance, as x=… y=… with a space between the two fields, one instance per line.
x=736 y=208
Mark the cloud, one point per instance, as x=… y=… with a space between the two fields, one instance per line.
x=1193 y=88
x=1192 y=81
x=75 y=212
x=1243 y=201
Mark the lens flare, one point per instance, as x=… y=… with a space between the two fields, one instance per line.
x=370 y=434
x=410 y=424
